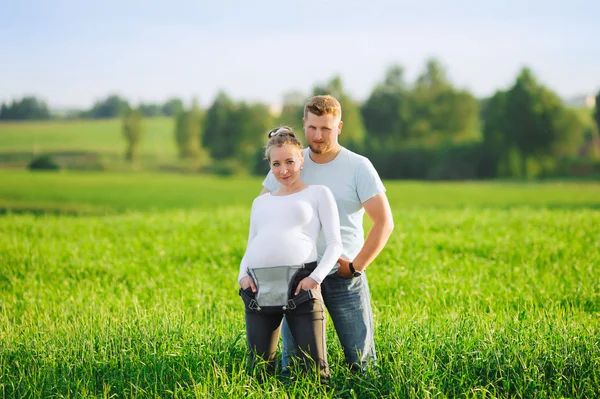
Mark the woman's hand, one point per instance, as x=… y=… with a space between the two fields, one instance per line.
x=306 y=284
x=248 y=282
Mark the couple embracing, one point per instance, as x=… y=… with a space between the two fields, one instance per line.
x=306 y=247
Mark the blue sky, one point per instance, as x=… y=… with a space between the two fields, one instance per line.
x=72 y=53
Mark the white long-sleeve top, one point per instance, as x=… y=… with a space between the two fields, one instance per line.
x=284 y=231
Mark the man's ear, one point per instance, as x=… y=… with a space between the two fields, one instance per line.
x=340 y=127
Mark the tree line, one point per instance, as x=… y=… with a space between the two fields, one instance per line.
x=426 y=129
x=114 y=106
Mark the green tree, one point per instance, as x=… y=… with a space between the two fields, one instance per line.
x=113 y=106
x=528 y=127
x=172 y=107
x=441 y=113
x=539 y=125
x=250 y=124
x=28 y=108
x=597 y=111
x=387 y=111
x=218 y=127
x=150 y=110
x=292 y=111
x=133 y=131
x=496 y=147
x=353 y=130
x=188 y=133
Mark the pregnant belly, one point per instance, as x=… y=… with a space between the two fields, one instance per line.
x=278 y=250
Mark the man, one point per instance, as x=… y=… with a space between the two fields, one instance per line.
x=357 y=189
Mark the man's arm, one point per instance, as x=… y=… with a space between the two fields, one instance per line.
x=378 y=210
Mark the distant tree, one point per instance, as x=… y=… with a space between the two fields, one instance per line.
x=188 y=133
x=292 y=110
x=496 y=145
x=387 y=111
x=218 y=127
x=28 y=108
x=112 y=107
x=529 y=123
x=133 y=131
x=172 y=107
x=250 y=124
x=43 y=162
x=597 y=111
x=150 y=110
x=538 y=122
x=441 y=113
x=353 y=130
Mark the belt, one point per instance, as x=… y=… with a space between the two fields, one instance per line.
x=291 y=304
x=273 y=295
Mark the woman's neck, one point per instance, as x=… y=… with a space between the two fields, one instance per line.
x=283 y=190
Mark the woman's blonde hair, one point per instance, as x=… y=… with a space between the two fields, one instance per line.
x=280 y=136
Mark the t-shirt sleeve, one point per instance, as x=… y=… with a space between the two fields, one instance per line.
x=330 y=224
x=368 y=182
x=270 y=183
x=251 y=234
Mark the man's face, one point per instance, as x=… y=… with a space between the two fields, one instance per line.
x=322 y=132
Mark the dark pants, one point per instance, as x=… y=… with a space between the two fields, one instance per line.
x=307 y=325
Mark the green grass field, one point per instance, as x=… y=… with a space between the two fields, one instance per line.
x=99 y=136
x=124 y=285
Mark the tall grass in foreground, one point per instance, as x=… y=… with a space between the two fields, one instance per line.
x=474 y=302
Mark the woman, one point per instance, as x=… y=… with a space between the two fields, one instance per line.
x=279 y=273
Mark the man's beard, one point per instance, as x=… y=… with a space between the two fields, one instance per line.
x=315 y=150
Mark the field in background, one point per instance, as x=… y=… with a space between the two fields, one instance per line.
x=125 y=284
x=20 y=141
x=99 y=192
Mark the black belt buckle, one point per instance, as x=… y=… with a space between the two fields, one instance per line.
x=253 y=305
x=291 y=305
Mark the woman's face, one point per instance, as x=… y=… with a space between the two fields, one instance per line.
x=286 y=162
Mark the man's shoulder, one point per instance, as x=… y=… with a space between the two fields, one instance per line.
x=354 y=155
x=355 y=159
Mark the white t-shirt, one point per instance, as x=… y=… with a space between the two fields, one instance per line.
x=284 y=231
x=353 y=180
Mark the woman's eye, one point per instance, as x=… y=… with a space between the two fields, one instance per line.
x=290 y=162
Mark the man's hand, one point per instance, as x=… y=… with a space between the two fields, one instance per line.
x=306 y=284
x=248 y=282
x=344 y=270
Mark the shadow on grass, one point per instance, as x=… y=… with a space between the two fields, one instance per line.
x=54 y=211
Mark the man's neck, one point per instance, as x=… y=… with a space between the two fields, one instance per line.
x=325 y=157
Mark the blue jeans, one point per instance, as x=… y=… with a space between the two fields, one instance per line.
x=348 y=302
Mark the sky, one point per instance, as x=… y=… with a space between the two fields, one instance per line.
x=74 y=53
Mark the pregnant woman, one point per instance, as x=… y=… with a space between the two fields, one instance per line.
x=280 y=273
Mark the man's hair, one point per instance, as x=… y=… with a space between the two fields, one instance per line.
x=280 y=136
x=323 y=105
